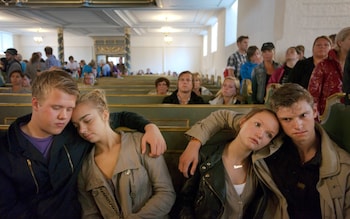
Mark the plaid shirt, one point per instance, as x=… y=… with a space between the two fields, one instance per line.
x=235 y=61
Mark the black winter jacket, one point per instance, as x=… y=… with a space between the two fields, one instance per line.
x=32 y=187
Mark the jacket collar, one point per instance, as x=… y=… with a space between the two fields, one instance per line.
x=330 y=164
x=128 y=160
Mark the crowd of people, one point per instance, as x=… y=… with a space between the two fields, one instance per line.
x=321 y=74
x=67 y=160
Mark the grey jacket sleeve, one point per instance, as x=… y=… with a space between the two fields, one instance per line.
x=216 y=121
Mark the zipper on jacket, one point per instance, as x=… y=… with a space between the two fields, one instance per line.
x=111 y=204
x=33 y=175
x=69 y=158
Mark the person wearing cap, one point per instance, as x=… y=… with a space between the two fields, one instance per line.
x=12 y=63
x=261 y=73
x=237 y=59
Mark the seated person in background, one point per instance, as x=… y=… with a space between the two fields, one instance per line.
x=133 y=184
x=198 y=88
x=225 y=177
x=184 y=93
x=162 y=87
x=229 y=92
x=89 y=79
x=26 y=82
x=16 y=78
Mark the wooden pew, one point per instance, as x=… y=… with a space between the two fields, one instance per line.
x=169 y=115
x=111 y=98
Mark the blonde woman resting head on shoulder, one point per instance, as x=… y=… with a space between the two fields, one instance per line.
x=129 y=184
x=229 y=92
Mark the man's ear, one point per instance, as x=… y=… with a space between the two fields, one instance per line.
x=35 y=103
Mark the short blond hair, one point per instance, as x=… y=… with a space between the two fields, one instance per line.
x=54 y=79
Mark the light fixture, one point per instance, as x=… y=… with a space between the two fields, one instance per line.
x=166 y=31
x=168 y=39
x=38 y=39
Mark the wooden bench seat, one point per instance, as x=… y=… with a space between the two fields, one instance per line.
x=172 y=115
x=111 y=98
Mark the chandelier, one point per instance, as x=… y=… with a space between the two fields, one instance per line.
x=38 y=38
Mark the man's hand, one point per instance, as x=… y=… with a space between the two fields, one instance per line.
x=188 y=157
x=155 y=139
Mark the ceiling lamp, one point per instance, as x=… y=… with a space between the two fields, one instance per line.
x=166 y=30
x=38 y=39
x=168 y=39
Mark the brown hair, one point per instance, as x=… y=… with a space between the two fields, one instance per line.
x=54 y=79
x=288 y=94
x=251 y=51
x=322 y=37
x=161 y=79
x=241 y=38
x=186 y=72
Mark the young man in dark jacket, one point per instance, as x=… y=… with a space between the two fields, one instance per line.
x=42 y=153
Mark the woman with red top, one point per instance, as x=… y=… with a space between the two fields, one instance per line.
x=327 y=77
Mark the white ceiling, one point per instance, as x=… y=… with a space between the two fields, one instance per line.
x=183 y=16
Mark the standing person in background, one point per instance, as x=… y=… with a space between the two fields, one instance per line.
x=253 y=59
x=88 y=68
x=72 y=65
x=327 y=77
x=162 y=85
x=12 y=63
x=301 y=52
x=51 y=60
x=184 y=94
x=197 y=87
x=332 y=37
x=121 y=67
x=261 y=73
x=302 y=70
x=133 y=185
x=346 y=79
x=238 y=58
x=42 y=153
x=34 y=66
x=21 y=61
x=280 y=76
x=229 y=92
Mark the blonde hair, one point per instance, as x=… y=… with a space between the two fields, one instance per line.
x=97 y=97
x=236 y=83
x=343 y=33
x=54 y=79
